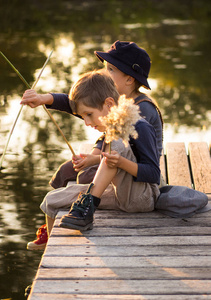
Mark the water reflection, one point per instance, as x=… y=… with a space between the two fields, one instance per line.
x=23 y=185
x=177 y=37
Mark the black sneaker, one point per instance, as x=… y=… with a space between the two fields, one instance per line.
x=81 y=214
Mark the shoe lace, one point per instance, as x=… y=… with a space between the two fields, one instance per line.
x=83 y=203
x=41 y=231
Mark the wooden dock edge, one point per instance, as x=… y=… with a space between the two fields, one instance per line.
x=134 y=256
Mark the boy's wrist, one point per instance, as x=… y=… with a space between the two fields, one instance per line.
x=47 y=99
x=94 y=159
x=120 y=162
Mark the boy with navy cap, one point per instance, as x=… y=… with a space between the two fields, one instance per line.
x=130 y=59
x=129 y=67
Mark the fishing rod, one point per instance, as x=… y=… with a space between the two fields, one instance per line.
x=33 y=86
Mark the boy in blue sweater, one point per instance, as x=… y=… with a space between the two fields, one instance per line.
x=132 y=172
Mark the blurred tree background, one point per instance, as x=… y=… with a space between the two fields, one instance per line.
x=176 y=35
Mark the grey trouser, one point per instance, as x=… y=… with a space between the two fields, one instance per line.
x=122 y=194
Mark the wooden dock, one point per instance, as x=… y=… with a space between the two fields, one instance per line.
x=135 y=256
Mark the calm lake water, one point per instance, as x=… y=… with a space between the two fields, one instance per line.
x=176 y=34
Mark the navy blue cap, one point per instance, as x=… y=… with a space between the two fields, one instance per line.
x=130 y=59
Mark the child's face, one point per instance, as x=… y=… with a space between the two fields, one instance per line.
x=118 y=77
x=91 y=116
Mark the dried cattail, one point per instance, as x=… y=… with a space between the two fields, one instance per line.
x=120 y=121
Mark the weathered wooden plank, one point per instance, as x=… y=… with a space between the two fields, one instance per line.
x=114 y=214
x=202 y=219
x=142 y=240
x=123 y=273
x=174 y=250
x=163 y=167
x=125 y=262
x=44 y=296
x=177 y=165
x=153 y=231
x=201 y=166
x=128 y=287
x=107 y=214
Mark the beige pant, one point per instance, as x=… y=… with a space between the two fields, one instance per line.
x=122 y=194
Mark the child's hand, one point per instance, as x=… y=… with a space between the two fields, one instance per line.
x=113 y=159
x=84 y=160
x=32 y=99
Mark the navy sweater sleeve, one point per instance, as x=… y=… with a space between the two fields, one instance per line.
x=145 y=150
x=61 y=103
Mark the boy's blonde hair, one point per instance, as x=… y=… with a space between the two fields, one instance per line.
x=92 y=89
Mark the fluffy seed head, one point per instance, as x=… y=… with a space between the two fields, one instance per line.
x=120 y=121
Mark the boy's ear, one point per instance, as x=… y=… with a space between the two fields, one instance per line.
x=109 y=102
x=130 y=80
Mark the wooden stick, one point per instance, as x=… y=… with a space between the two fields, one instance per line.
x=26 y=83
x=52 y=118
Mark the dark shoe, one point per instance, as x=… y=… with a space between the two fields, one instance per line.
x=81 y=214
x=41 y=241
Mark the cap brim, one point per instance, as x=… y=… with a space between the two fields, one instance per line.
x=122 y=67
